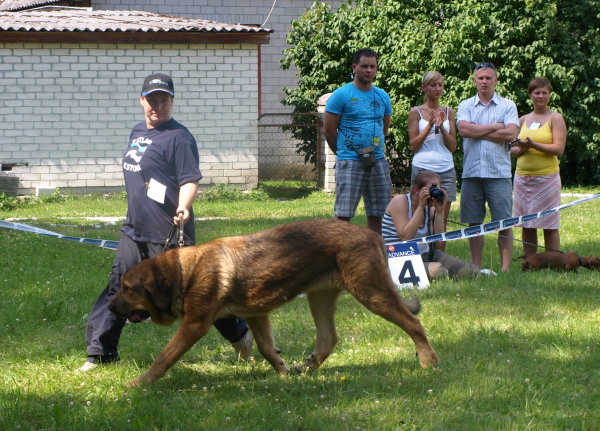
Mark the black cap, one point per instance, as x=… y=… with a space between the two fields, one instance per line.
x=158 y=82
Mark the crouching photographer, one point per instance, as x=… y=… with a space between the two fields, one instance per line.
x=421 y=213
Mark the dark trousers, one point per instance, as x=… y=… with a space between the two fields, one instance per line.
x=104 y=328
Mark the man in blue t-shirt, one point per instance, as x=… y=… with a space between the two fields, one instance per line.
x=161 y=172
x=357 y=118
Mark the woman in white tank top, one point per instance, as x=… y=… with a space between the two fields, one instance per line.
x=432 y=137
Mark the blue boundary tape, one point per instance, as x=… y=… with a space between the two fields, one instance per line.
x=112 y=245
x=498 y=225
x=482 y=229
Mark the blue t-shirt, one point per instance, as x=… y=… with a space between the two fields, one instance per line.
x=361 y=121
x=168 y=155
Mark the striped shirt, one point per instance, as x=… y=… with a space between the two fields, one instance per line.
x=483 y=158
x=390 y=234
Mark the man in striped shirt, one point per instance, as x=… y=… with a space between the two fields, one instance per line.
x=488 y=123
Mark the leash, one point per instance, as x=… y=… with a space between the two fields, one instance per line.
x=513 y=238
x=176 y=229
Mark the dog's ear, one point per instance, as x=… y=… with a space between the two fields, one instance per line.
x=165 y=284
x=160 y=290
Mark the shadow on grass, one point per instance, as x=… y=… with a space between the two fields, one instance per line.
x=288 y=193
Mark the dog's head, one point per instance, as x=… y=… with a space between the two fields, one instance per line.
x=149 y=289
x=591 y=263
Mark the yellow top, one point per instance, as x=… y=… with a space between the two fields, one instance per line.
x=534 y=162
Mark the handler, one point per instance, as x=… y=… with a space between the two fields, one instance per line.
x=161 y=172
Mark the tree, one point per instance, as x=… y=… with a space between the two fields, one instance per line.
x=559 y=40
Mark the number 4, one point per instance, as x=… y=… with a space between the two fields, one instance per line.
x=412 y=278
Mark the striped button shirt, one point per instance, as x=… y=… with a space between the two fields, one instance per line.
x=483 y=158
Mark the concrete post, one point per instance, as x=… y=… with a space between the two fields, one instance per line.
x=326 y=159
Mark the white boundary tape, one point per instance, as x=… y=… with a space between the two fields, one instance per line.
x=496 y=226
x=112 y=245
x=468 y=232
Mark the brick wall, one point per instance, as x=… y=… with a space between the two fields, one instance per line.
x=274 y=79
x=67 y=110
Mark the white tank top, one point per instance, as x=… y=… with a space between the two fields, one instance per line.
x=433 y=154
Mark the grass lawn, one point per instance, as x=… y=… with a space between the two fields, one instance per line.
x=519 y=351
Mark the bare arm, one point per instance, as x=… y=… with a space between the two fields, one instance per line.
x=398 y=209
x=330 y=126
x=507 y=134
x=416 y=139
x=495 y=132
x=187 y=194
x=518 y=150
x=387 y=119
x=476 y=131
x=559 y=138
x=449 y=136
x=437 y=215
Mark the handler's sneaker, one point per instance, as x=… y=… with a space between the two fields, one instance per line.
x=88 y=366
x=244 y=346
x=94 y=361
x=487 y=272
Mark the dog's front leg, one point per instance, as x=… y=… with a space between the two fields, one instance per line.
x=186 y=336
x=263 y=335
x=322 y=305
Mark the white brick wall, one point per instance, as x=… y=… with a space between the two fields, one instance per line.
x=67 y=109
x=274 y=79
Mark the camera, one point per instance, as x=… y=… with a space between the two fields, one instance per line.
x=367 y=159
x=436 y=193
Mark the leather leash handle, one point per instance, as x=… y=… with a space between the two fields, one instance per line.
x=180 y=242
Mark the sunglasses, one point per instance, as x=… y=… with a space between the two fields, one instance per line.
x=486 y=64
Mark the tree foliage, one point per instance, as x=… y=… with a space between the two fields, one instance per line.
x=559 y=40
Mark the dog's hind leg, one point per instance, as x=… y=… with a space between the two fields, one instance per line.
x=263 y=336
x=322 y=306
x=378 y=293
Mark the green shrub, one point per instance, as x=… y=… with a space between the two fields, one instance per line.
x=8 y=203
x=524 y=39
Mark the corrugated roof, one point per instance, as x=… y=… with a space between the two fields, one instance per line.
x=12 y=5
x=83 y=20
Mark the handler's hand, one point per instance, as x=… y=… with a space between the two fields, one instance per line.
x=182 y=213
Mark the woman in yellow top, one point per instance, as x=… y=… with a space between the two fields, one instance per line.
x=537 y=185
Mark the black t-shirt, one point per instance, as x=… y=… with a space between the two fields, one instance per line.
x=164 y=156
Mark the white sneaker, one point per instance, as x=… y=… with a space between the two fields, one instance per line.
x=487 y=272
x=88 y=366
x=244 y=346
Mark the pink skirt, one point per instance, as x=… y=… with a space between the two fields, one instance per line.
x=533 y=194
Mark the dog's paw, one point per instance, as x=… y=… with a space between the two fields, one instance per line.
x=311 y=363
x=428 y=359
x=135 y=383
x=143 y=379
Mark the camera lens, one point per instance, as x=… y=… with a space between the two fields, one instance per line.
x=436 y=193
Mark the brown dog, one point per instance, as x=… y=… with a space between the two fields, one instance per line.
x=558 y=261
x=249 y=276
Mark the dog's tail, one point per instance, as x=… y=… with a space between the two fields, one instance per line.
x=413 y=305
